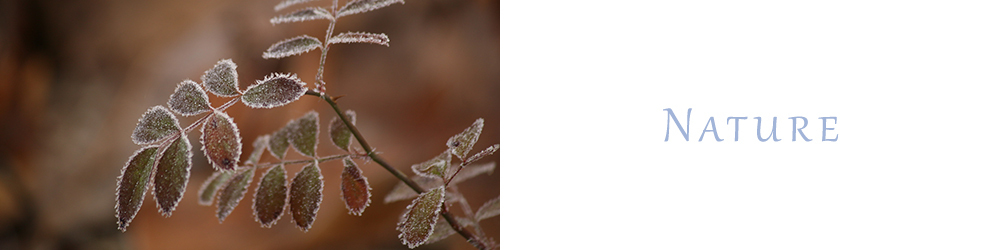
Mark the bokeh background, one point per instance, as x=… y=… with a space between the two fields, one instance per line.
x=75 y=76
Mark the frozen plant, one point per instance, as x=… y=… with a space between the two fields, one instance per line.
x=164 y=160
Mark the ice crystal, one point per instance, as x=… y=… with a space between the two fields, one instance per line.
x=303 y=133
x=172 y=172
x=275 y=90
x=420 y=217
x=156 y=124
x=132 y=185
x=220 y=140
x=340 y=133
x=361 y=6
x=189 y=99
x=311 y=13
x=489 y=209
x=354 y=188
x=233 y=191
x=434 y=167
x=462 y=143
x=305 y=195
x=292 y=46
x=206 y=194
x=271 y=196
x=360 y=37
x=286 y=3
x=222 y=80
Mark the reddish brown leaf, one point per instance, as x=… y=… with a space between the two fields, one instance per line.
x=132 y=185
x=354 y=188
x=305 y=195
x=271 y=197
x=220 y=140
x=172 y=172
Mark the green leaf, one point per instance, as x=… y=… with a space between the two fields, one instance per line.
x=233 y=192
x=340 y=134
x=303 y=133
x=271 y=196
x=172 y=172
x=462 y=143
x=189 y=99
x=132 y=185
x=157 y=123
x=258 y=149
x=305 y=195
x=354 y=188
x=222 y=80
x=274 y=91
x=420 y=218
x=206 y=194
x=278 y=144
x=361 y=6
x=489 y=209
x=292 y=46
x=434 y=167
x=310 y=13
x=221 y=142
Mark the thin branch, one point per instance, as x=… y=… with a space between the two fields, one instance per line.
x=475 y=241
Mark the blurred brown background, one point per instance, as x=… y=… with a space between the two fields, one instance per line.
x=75 y=76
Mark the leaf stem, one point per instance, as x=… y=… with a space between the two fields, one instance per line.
x=475 y=241
x=321 y=159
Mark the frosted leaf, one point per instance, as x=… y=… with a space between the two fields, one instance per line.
x=489 y=209
x=303 y=133
x=434 y=167
x=442 y=229
x=486 y=152
x=339 y=133
x=292 y=46
x=157 y=123
x=220 y=140
x=206 y=194
x=305 y=195
x=275 y=90
x=360 y=37
x=278 y=144
x=403 y=192
x=189 y=99
x=234 y=190
x=286 y=3
x=172 y=172
x=420 y=217
x=361 y=6
x=354 y=188
x=462 y=143
x=132 y=185
x=311 y=13
x=221 y=80
x=258 y=149
x=271 y=196
x=470 y=171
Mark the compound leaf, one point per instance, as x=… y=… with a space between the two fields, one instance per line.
x=420 y=218
x=434 y=167
x=271 y=196
x=233 y=191
x=221 y=80
x=354 y=188
x=258 y=149
x=462 y=143
x=172 y=172
x=286 y=3
x=292 y=46
x=311 y=13
x=189 y=99
x=278 y=144
x=305 y=195
x=303 y=133
x=360 y=37
x=275 y=90
x=132 y=185
x=340 y=134
x=156 y=124
x=206 y=194
x=361 y=6
x=220 y=140
x=489 y=209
